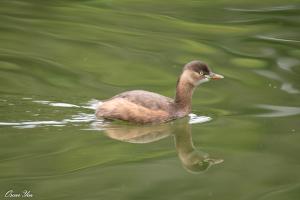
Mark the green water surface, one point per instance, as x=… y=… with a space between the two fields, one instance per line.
x=58 y=57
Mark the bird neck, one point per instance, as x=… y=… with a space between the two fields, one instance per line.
x=184 y=94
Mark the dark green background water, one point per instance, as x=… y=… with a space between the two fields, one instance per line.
x=71 y=52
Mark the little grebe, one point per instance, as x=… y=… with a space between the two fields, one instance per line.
x=142 y=107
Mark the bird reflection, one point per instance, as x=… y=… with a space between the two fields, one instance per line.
x=193 y=160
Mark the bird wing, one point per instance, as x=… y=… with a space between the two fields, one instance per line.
x=147 y=99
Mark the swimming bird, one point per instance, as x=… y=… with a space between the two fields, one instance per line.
x=143 y=107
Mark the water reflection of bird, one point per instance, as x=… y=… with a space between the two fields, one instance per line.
x=192 y=159
x=140 y=106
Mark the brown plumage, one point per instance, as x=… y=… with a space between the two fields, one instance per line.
x=142 y=107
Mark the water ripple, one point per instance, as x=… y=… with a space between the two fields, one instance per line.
x=195 y=119
x=266 y=9
x=274 y=39
x=77 y=118
x=278 y=111
x=287 y=63
x=286 y=86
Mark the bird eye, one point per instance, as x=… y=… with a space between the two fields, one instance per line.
x=201 y=73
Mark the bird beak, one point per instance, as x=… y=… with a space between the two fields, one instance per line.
x=214 y=76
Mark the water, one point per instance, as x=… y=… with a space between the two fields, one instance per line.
x=58 y=58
